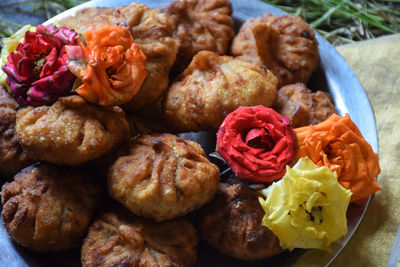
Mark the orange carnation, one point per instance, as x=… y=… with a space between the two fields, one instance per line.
x=115 y=67
x=338 y=144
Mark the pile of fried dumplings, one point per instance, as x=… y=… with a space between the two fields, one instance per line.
x=125 y=183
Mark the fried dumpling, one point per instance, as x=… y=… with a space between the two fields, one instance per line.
x=71 y=131
x=49 y=208
x=162 y=176
x=231 y=223
x=199 y=25
x=211 y=87
x=284 y=44
x=13 y=156
x=121 y=239
x=302 y=106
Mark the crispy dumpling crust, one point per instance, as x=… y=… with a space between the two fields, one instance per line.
x=302 y=106
x=231 y=223
x=71 y=131
x=284 y=44
x=13 y=156
x=118 y=239
x=48 y=208
x=199 y=25
x=162 y=176
x=213 y=86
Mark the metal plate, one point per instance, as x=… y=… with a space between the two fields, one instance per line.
x=333 y=75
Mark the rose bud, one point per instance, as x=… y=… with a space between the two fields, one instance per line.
x=338 y=144
x=257 y=143
x=307 y=207
x=110 y=64
x=36 y=70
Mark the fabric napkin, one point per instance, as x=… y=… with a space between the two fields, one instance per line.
x=377 y=65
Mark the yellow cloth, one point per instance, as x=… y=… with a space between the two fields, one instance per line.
x=377 y=65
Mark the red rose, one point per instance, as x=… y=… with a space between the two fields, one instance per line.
x=257 y=143
x=37 y=71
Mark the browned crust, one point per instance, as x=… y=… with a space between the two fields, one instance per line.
x=13 y=156
x=231 y=222
x=199 y=25
x=48 y=208
x=71 y=131
x=284 y=44
x=118 y=240
x=162 y=176
x=302 y=106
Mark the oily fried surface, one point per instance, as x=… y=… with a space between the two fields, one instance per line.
x=199 y=25
x=71 y=131
x=302 y=106
x=284 y=44
x=48 y=208
x=231 y=222
x=162 y=176
x=121 y=240
x=13 y=157
x=152 y=32
x=211 y=87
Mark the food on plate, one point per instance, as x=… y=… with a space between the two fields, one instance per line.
x=338 y=144
x=307 y=207
x=49 y=208
x=199 y=25
x=37 y=72
x=211 y=87
x=109 y=63
x=68 y=85
x=162 y=176
x=13 y=156
x=118 y=239
x=284 y=44
x=256 y=143
x=71 y=131
x=231 y=222
x=302 y=106
x=152 y=32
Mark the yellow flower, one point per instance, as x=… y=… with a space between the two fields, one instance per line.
x=9 y=45
x=307 y=207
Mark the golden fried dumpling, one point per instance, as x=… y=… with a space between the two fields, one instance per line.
x=232 y=223
x=162 y=176
x=120 y=239
x=199 y=25
x=302 y=106
x=284 y=44
x=49 y=208
x=213 y=86
x=71 y=131
x=151 y=31
x=13 y=156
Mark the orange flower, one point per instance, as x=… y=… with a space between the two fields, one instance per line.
x=338 y=144
x=115 y=67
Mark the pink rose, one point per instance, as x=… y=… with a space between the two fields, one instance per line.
x=37 y=71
